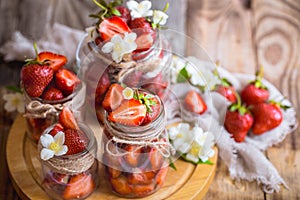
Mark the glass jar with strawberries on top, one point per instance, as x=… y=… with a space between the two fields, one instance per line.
x=129 y=46
x=48 y=86
x=136 y=146
x=67 y=152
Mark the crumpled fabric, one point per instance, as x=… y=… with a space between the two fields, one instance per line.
x=60 y=39
x=245 y=161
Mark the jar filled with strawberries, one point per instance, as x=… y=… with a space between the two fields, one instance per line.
x=127 y=46
x=48 y=86
x=136 y=146
x=67 y=152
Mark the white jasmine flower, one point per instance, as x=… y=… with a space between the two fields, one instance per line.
x=159 y=17
x=14 y=102
x=194 y=143
x=119 y=46
x=141 y=9
x=53 y=146
x=127 y=93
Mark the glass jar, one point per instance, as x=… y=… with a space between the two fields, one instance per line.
x=148 y=69
x=136 y=158
x=40 y=113
x=71 y=176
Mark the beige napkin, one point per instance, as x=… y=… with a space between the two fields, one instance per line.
x=60 y=39
x=245 y=161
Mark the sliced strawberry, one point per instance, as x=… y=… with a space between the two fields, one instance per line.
x=79 y=186
x=111 y=26
x=161 y=176
x=144 y=42
x=102 y=86
x=67 y=119
x=114 y=173
x=55 y=61
x=57 y=128
x=113 y=97
x=76 y=141
x=52 y=94
x=120 y=185
x=227 y=91
x=143 y=190
x=36 y=78
x=66 y=81
x=137 y=178
x=156 y=159
x=142 y=24
x=130 y=113
x=195 y=103
x=132 y=158
x=125 y=13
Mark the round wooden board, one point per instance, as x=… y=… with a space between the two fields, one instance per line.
x=187 y=182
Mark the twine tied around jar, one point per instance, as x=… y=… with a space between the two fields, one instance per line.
x=72 y=166
x=36 y=109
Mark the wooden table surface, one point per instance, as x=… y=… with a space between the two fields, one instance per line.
x=241 y=35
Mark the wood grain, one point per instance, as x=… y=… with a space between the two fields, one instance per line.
x=188 y=181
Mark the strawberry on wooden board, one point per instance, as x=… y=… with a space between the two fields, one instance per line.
x=267 y=116
x=255 y=91
x=53 y=60
x=76 y=140
x=35 y=78
x=67 y=119
x=194 y=102
x=238 y=120
x=79 y=186
x=130 y=113
x=66 y=81
x=52 y=93
x=113 y=97
x=112 y=26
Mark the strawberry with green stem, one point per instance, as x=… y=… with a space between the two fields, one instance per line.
x=267 y=116
x=255 y=91
x=238 y=120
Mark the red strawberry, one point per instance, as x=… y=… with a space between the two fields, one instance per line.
x=120 y=185
x=130 y=113
x=66 y=81
x=238 y=121
x=102 y=86
x=153 y=113
x=142 y=24
x=125 y=13
x=138 y=177
x=161 y=176
x=57 y=127
x=132 y=158
x=55 y=61
x=79 y=186
x=194 y=102
x=111 y=26
x=255 y=91
x=227 y=91
x=52 y=93
x=67 y=119
x=114 y=173
x=35 y=78
x=76 y=140
x=143 y=190
x=144 y=42
x=113 y=97
x=267 y=116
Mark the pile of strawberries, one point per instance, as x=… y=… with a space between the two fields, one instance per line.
x=251 y=110
x=70 y=186
x=140 y=110
x=116 y=19
x=45 y=77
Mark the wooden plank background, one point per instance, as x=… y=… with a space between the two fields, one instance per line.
x=240 y=34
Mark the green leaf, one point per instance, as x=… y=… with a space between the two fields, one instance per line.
x=172 y=165
x=115 y=11
x=14 y=88
x=183 y=75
